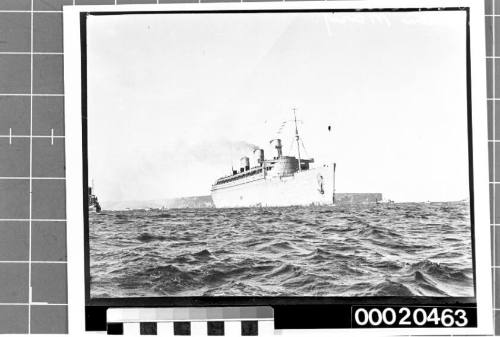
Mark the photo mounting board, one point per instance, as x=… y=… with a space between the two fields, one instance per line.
x=75 y=103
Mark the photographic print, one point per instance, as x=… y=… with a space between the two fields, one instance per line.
x=316 y=160
x=279 y=154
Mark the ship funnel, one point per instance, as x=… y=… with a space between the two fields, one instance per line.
x=245 y=164
x=277 y=145
x=259 y=156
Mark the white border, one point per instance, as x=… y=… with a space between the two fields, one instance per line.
x=74 y=188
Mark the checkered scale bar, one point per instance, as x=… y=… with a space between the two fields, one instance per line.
x=210 y=321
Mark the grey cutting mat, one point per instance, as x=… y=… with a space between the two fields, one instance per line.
x=32 y=225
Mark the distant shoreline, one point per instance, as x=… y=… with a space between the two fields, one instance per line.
x=205 y=201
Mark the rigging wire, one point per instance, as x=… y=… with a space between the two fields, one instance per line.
x=304 y=147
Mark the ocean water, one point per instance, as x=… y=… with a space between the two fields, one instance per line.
x=408 y=249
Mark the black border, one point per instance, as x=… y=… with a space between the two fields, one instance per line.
x=290 y=312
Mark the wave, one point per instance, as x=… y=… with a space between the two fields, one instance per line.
x=379 y=233
x=274 y=247
x=203 y=254
x=387 y=265
x=427 y=286
x=163 y=216
x=282 y=245
x=148 y=237
x=213 y=275
x=168 y=279
x=285 y=269
x=123 y=222
x=388 y=288
x=439 y=271
x=362 y=250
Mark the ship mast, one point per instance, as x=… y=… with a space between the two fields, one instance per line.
x=297 y=136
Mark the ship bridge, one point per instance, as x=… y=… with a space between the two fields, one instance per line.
x=280 y=166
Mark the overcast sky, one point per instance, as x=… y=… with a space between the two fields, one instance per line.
x=173 y=99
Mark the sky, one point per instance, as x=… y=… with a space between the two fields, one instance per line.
x=174 y=100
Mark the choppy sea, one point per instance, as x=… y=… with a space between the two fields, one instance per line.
x=401 y=249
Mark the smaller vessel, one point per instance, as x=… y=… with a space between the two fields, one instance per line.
x=94 y=206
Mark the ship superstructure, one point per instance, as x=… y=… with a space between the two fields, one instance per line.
x=94 y=206
x=279 y=181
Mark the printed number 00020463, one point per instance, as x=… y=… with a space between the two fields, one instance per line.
x=406 y=317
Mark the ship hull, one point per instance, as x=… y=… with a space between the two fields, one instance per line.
x=311 y=187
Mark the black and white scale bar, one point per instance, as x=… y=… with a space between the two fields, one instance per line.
x=210 y=321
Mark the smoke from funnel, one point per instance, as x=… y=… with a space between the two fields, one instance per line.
x=213 y=152
x=242 y=146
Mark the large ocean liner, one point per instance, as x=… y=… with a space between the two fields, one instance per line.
x=280 y=181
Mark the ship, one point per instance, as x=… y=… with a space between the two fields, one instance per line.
x=279 y=181
x=94 y=206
